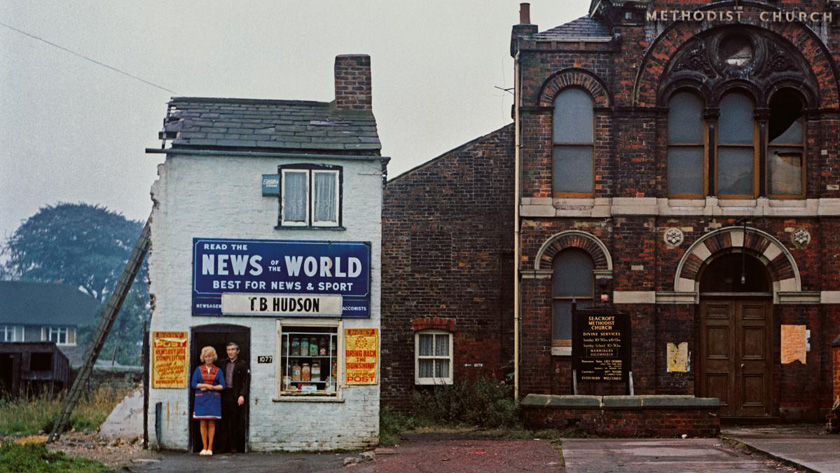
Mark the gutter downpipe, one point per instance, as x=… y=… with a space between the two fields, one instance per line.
x=516 y=246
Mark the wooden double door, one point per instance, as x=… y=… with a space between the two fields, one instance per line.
x=736 y=361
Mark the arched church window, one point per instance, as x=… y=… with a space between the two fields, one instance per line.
x=785 y=147
x=573 y=152
x=686 y=149
x=736 y=160
x=572 y=280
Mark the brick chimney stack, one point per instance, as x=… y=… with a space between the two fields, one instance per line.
x=352 y=82
x=524 y=13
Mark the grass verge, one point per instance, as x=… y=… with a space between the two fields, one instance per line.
x=36 y=414
x=35 y=458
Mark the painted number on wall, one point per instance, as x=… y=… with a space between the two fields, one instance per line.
x=265 y=359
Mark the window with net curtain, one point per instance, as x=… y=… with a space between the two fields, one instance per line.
x=572 y=280
x=433 y=351
x=686 y=148
x=574 y=123
x=736 y=147
x=310 y=197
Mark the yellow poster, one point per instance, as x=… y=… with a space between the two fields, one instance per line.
x=678 y=358
x=169 y=360
x=794 y=344
x=361 y=356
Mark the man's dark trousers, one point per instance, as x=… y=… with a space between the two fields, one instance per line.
x=234 y=416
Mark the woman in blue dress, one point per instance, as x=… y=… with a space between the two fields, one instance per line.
x=208 y=382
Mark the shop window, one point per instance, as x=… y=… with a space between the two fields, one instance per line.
x=785 y=149
x=309 y=361
x=574 y=123
x=59 y=335
x=686 y=149
x=11 y=333
x=310 y=196
x=736 y=147
x=433 y=359
x=572 y=281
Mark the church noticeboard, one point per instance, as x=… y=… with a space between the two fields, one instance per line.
x=169 y=360
x=601 y=344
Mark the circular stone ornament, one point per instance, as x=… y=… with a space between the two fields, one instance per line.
x=801 y=237
x=674 y=237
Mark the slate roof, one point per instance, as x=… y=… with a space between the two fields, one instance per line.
x=581 y=29
x=264 y=125
x=35 y=303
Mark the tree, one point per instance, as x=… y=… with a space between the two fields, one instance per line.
x=85 y=246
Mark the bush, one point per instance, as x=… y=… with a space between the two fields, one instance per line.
x=35 y=458
x=391 y=425
x=31 y=415
x=483 y=403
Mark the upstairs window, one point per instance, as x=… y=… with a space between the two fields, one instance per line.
x=574 y=123
x=785 y=148
x=686 y=147
x=736 y=159
x=572 y=280
x=310 y=196
x=11 y=333
x=59 y=335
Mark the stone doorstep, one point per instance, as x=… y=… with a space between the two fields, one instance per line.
x=619 y=402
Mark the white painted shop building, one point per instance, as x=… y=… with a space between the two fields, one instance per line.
x=266 y=231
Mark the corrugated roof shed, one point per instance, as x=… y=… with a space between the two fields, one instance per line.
x=35 y=303
x=582 y=29
x=265 y=125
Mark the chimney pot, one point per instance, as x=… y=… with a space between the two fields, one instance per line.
x=524 y=13
x=352 y=82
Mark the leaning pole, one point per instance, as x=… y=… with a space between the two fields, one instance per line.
x=115 y=302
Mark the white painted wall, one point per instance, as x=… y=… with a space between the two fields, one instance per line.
x=221 y=197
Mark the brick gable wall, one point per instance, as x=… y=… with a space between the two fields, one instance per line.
x=447 y=262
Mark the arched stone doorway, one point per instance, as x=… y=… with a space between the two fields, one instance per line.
x=735 y=342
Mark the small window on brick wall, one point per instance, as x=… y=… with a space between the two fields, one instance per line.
x=572 y=280
x=310 y=196
x=433 y=357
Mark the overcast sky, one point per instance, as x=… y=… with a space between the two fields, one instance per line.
x=73 y=131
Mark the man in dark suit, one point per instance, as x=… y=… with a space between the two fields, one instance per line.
x=235 y=398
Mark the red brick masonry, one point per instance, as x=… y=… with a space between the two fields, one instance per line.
x=624 y=416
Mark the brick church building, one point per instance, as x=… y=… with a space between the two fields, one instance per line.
x=679 y=159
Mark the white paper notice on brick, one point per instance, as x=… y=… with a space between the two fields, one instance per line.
x=281 y=304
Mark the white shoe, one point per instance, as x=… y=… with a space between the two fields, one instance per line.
x=209 y=453
x=203 y=453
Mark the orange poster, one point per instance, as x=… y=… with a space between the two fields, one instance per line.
x=794 y=344
x=361 y=356
x=169 y=360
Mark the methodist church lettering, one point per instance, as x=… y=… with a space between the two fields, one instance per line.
x=289 y=278
x=737 y=16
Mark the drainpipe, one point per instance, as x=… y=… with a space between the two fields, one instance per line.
x=523 y=29
x=516 y=247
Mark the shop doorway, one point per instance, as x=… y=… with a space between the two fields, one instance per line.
x=218 y=336
x=736 y=333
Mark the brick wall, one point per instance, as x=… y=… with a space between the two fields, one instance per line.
x=627 y=79
x=447 y=262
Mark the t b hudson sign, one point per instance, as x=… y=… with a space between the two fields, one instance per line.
x=281 y=278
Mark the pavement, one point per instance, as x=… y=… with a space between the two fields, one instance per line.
x=803 y=446
x=741 y=449
x=428 y=453
x=659 y=456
